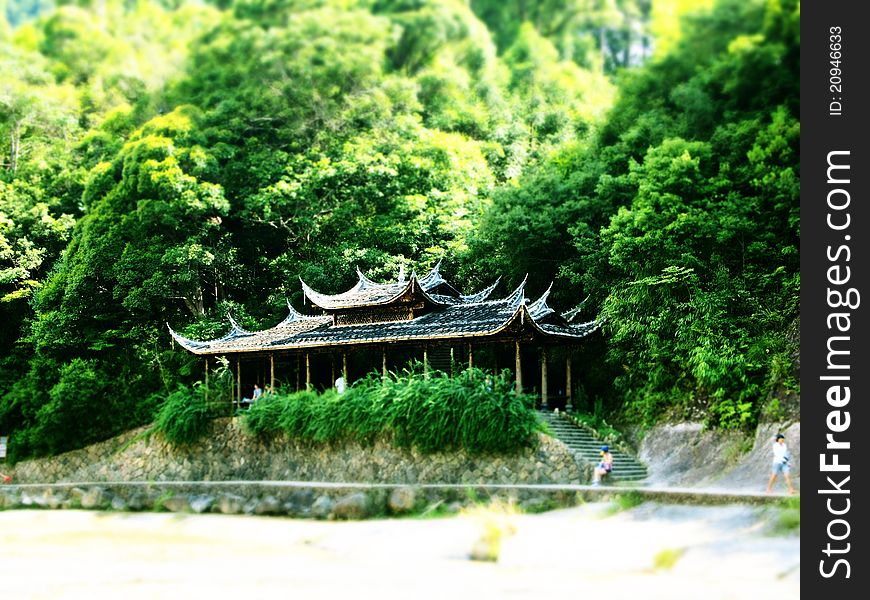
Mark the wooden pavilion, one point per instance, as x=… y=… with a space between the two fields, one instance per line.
x=385 y=325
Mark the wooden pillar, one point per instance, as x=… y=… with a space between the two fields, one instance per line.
x=544 y=395
x=238 y=382
x=344 y=367
x=384 y=361
x=206 y=378
x=307 y=371
x=272 y=372
x=298 y=370
x=518 y=367
x=470 y=357
x=425 y=362
x=568 y=404
x=451 y=361
x=331 y=368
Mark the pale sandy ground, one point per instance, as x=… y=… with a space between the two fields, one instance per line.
x=570 y=553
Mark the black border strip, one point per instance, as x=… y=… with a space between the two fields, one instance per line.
x=834 y=247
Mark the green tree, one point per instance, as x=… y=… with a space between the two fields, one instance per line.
x=151 y=246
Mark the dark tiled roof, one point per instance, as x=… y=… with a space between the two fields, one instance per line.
x=454 y=318
x=367 y=293
x=239 y=340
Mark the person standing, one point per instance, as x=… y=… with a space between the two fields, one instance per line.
x=781 y=459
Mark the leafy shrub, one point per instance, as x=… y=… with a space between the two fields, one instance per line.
x=81 y=409
x=601 y=428
x=474 y=411
x=185 y=414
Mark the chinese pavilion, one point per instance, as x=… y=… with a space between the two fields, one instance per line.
x=381 y=325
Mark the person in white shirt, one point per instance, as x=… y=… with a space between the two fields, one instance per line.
x=781 y=464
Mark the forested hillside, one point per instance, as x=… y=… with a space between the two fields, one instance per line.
x=169 y=161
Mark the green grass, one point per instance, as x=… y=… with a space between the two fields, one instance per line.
x=186 y=413
x=599 y=427
x=788 y=516
x=474 y=411
x=625 y=501
x=159 y=503
x=436 y=510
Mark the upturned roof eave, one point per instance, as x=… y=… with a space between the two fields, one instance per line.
x=200 y=350
x=521 y=313
x=332 y=302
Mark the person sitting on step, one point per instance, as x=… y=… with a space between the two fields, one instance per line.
x=605 y=466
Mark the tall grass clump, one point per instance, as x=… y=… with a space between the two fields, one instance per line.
x=475 y=411
x=186 y=412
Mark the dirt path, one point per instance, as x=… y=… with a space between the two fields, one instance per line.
x=717 y=552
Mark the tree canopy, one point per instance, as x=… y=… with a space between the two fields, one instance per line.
x=167 y=161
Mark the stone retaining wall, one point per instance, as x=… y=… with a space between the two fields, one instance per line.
x=273 y=499
x=228 y=453
x=335 y=501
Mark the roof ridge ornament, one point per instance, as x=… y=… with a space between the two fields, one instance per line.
x=186 y=343
x=518 y=296
x=543 y=299
x=364 y=282
x=433 y=278
x=401 y=273
x=570 y=315
x=294 y=316
x=236 y=327
x=539 y=308
x=480 y=296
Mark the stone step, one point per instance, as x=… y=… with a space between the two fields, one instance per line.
x=585 y=447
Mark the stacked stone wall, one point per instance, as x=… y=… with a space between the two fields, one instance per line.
x=228 y=453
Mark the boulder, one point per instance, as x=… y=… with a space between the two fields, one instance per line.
x=94 y=497
x=230 y=504
x=402 y=499
x=119 y=504
x=322 y=507
x=352 y=506
x=269 y=505
x=177 y=504
x=138 y=500
x=201 y=503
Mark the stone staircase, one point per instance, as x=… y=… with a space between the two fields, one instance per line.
x=585 y=448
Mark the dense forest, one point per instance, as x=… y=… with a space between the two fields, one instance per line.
x=173 y=160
